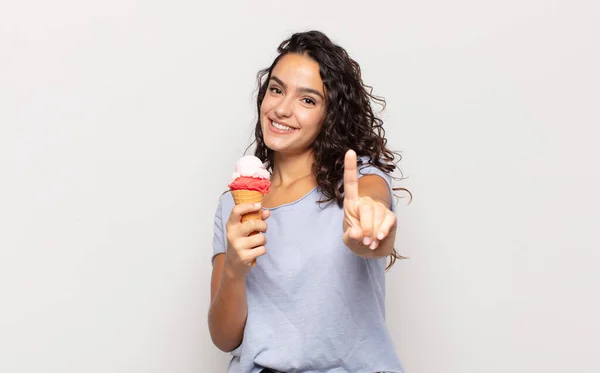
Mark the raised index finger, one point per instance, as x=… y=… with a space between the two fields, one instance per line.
x=350 y=176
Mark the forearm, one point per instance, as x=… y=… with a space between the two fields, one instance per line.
x=228 y=312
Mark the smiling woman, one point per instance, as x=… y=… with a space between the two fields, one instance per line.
x=315 y=299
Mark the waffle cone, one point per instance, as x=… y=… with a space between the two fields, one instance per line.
x=248 y=196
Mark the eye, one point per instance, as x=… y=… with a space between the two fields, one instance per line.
x=308 y=101
x=275 y=90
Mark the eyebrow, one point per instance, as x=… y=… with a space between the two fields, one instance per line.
x=301 y=89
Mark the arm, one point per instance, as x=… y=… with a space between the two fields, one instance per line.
x=228 y=306
x=373 y=190
x=369 y=224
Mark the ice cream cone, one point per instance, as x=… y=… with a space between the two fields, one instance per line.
x=250 y=182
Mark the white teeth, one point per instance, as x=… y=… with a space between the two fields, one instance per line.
x=281 y=126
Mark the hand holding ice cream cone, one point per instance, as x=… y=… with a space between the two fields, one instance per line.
x=251 y=181
x=245 y=240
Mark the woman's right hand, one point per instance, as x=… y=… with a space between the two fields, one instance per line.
x=243 y=248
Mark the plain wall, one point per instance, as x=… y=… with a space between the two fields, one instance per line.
x=120 y=122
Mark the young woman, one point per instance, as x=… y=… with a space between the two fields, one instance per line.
x=315 y=300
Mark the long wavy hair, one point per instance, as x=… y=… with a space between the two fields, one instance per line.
x=349 y=121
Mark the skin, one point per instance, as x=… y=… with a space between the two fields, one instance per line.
x=296 y=98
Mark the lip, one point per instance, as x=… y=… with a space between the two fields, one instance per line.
x=274 y=129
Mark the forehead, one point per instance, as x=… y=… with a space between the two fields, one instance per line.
x=299 y=70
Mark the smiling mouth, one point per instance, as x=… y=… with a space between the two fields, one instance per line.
x=281 y=127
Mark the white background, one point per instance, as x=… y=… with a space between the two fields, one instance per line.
x=121 y=121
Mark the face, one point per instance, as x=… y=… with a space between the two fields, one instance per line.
x=293 y=108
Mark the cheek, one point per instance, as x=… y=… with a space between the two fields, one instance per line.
x=263 y=108
x=267 y=104
x=311 y=120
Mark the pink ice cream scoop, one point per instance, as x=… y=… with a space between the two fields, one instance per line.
x=250 y=174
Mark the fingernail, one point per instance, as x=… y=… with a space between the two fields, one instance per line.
x=374 y=245
x=366 y=241
x=257 y=204
x=380 y=236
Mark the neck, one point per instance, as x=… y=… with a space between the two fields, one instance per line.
x=289 y=168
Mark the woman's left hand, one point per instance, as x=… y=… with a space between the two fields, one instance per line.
x=367 y=222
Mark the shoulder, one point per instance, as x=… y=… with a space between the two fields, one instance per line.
x=225 y=205
x=366 y=167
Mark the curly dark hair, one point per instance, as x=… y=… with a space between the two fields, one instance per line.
x=349 y=121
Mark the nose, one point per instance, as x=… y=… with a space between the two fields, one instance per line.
x=284 y=108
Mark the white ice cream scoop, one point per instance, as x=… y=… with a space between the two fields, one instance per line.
x=250 y=166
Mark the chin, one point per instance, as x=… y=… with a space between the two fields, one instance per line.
x=277 y=144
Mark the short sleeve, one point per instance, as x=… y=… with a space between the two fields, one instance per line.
x=219 y=238
x=368 y=169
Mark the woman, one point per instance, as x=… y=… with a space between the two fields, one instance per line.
x=315 y=300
